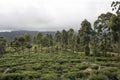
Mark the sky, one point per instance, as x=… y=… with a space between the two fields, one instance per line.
x=49 y=15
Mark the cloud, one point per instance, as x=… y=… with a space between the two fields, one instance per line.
x=49 y=14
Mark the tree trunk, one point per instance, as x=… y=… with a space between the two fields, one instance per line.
x=29 y=52
x=94 y=47
x=119 y=47
x=23 y=49
x=105 y=46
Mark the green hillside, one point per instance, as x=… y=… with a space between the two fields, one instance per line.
x=57 y=66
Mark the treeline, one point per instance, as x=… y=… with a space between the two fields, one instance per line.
x=104 y=37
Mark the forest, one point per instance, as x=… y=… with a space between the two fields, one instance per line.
x=93 y=53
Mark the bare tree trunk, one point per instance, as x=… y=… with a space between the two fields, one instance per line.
x=105 y=53
x=119 y=47
x=22 y=49
x=29 y=53
x=94 y=47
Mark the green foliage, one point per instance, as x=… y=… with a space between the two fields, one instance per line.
x=50 y=76
x=2 y=45
x=98 y=77
x=87 y=50
x=85 y=33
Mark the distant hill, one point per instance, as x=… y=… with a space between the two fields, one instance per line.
x=10 y=35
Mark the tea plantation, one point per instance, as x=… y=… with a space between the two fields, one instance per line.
x=58 y=66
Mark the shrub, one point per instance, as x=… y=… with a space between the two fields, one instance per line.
x=110 y=73
x=95 y=67
x=37 y=67
x=12 y=76
x=98 y=77
x=71 y=75
x=82 y=74
x=49 y=76
x=83 y=67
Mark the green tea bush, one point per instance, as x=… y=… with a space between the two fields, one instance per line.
x=71 y=75
x=111 y=73
x=82 y=74
x=49 y=76
x=37 y=67
x=12 y=76
x=83 y=67
x=98 y=77
x=95 y=67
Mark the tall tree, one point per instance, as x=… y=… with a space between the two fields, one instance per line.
x=64 y=39
x=78 y=42
x=49 y=41
x=15 y=44
x=44 y=41
x=28 y=40
x=57 y=38
x=27 y=37
x=22 y=42
x=85 y=32
x=102 y=30
x=114 y=24
x=71 y=39
x=39 y=40
x=29 y=46
x=2 y=45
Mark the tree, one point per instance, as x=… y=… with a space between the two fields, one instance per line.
x=27 y=37
x=114 y=24
x=28 y=40
x=49 y=41
x=102 y=30
x=44 y=41
x=15 y=44
x=39 y=40
x=29 y=46
x=116 y=6
x=2 y=45
x=77 y=42
x=22 y=42
x=64 y=39
x=70 y=37
x=95 y=43
x=85 y=32
x=74 y=42
x=57 y=38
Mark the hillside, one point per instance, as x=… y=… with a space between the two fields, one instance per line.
x=57 y=66
x=12 y=34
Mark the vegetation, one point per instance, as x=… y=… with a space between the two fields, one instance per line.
x=90 y=54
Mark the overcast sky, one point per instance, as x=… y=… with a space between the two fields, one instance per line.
x=49 y=15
